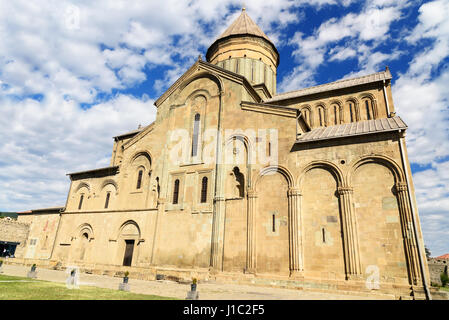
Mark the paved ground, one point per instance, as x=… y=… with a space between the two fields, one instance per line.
x=207 y=291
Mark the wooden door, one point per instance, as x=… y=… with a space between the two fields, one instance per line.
x=129 y=248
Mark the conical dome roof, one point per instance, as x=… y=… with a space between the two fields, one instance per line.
x=241 y=27
x=244 y=25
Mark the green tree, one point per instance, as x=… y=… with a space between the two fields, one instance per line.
x=428 y=253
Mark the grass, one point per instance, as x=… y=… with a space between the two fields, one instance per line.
x=444 y=289
x=19 y=288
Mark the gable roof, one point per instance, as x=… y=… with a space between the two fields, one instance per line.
x=340 y=84
x=213 y=69
x=353 y=129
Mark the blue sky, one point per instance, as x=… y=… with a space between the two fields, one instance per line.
x=73 y=74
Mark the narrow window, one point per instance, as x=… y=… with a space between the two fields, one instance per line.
x=336 y=114
x=106 y=204
x=81 y=202
x=204 y=190
x=176 y=192
x=236 y=65
x=274 y=223
x=350 y=112
x=196 y=129
x=269 y=149
x=307 y=116
x=321 y=115
x=368 y=113
x=139 y=179
x=252 y=70
x=324 y=234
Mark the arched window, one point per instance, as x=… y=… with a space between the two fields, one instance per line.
x=369 y=110
x=204 y=190
x=106 y=204
x=80 y=204
x=351 y=112
x=336 y=114
x=139 y=179
x=321 y=116
x=196 y=129
x=306 y=115
x=176 y=192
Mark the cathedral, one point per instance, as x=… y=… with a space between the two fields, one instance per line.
x=233 y=181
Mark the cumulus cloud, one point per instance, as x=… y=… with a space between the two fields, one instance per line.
x=42 y=141
x=355 y=35
x=62 y=64
x=67 y=70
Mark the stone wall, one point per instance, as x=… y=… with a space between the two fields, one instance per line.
x=14 y=231
x=436 y=267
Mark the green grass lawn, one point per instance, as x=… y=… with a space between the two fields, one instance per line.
x=444 y=289
x=18 y=288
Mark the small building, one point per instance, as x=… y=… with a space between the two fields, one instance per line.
x=437 y=266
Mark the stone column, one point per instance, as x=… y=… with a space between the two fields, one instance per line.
x=218 y=234
x=294 y=233
x=353 y=267
x=218 y=220
x=251 y=233
x=408 y=236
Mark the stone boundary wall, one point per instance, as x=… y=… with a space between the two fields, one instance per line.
x=14 y=231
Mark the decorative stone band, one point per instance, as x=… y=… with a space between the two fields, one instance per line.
x=252 y=194
x=401 y=187
x=293 y=192
x=345 y=190
x=219 y=198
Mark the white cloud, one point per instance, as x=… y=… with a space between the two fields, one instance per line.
x=356 y=35
x=42 y=141
x=432 y=192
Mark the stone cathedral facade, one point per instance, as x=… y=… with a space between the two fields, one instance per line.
x=310 y=188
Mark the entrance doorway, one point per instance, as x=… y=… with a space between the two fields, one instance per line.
x=129 y=248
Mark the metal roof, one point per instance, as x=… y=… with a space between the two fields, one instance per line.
x=107 y=170
x=244 y=25
x=353 y=129
x=340 y=84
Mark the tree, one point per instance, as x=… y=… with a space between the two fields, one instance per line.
x=428 y=253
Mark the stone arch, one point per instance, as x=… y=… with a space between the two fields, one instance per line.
x=364 y=96
x=81 y=185
x=398 y=174
x=335 y=103
x=329 y=166
x=145 y=153
x=126 y=223
x=84 y=228
x=321 y=114
x=128 y=240
x=270 y=221
x=111 y=182
x=307 y=117
x=83 y=236
x=356 y=111
x=204 y=74
x=198 y=93
x=140 y=160
x=247 y=142
x=382 y=213
x=272 y=169
x=321 y=212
